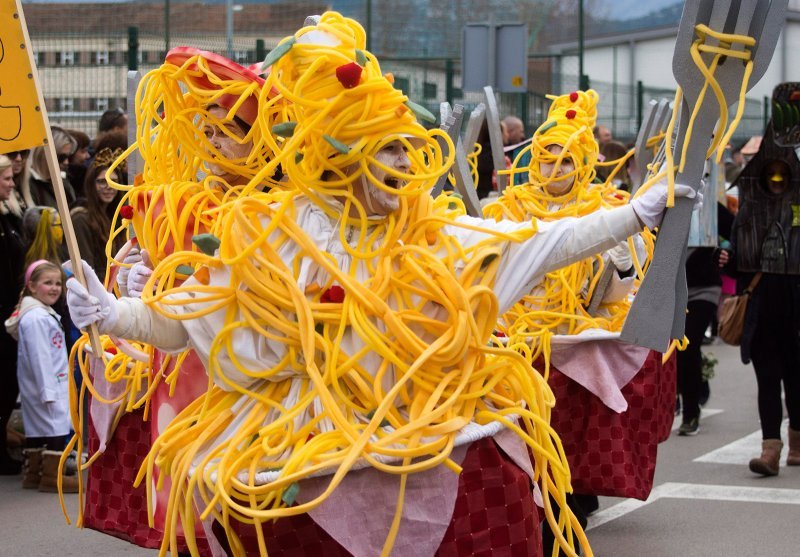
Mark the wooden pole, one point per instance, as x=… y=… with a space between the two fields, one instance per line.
x=58 y=185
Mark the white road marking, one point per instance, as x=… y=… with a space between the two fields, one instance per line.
x=674 y=490
x=741 y=451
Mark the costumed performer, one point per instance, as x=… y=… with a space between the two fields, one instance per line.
x=203 y=142
x=345 y=323
x=560 y=184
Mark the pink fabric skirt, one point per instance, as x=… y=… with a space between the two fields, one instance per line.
x=494 y=516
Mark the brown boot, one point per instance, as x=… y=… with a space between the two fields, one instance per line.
x=32 y=468
x=49 y=482
x=793 y=458
x=769 y=461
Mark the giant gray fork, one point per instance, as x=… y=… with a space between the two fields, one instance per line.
x=658 y=311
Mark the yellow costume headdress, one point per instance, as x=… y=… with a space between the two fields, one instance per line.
x=569 y=125
x=341 y=111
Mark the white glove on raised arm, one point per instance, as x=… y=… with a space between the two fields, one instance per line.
x=650 y=206
x=620 y=256
x=132 y=258
x=92 y=305
x=139 y=274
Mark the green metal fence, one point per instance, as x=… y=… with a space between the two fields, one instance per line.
x=83 y=59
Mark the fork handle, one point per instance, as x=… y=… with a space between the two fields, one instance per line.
x=658 y=310
x=657 y=304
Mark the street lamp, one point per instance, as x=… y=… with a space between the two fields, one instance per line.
x=230 y=7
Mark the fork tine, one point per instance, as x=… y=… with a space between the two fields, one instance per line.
x=767 y=22
x=720 y=12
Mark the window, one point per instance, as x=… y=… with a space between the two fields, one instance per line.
x=100 y=58
x=65 y=58
x=101 y=104
x=65 y=104
x=402 y=83
x=429 y=90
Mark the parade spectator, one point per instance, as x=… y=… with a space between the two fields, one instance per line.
x=772 y=321
x=115 y=141
x=15 y=204
x=12 y=254
x=92 y=222
x=113 y=119
x=613 y=151
x=42 y=234
x=735 y=165
x=42 y=373
x=37 y=186
x=76 y=169
x=515 y=142
x=602 y=134
x=486 y=174
x=515 y=130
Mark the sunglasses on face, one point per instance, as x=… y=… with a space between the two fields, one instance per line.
x=22 y=154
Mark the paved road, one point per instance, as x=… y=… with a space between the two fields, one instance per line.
x=705 y=503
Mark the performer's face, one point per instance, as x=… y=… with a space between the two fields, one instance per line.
x=6 y=183
x=557 y=187
x=381 y=198
x=233 y=149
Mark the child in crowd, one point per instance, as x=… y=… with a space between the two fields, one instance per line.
x=42 y=373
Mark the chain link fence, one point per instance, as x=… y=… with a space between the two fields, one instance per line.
x=84 y=51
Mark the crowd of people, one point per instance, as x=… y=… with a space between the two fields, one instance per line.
x=318 y=336
x=39 y=334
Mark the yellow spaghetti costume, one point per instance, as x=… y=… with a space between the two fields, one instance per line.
x=336 y=338
x=560 y=304
x=186 y=175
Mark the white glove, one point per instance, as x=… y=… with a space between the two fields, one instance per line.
x=139 y=274
x=122 y=275
x=650 y=206
x=92 y=305
x=620 y=256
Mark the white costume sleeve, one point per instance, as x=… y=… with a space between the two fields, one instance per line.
x=247 y=348
x=555 y=245
x=140 y=323
x=620 y=287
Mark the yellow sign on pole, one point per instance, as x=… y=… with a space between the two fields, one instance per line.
x=21 y=121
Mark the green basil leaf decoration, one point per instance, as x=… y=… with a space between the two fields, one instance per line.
x=361 y=58
x=290 y=494
x=284 y=129
x=298 y=156
x=277 y=53
x=184 y=270
x=336 y=144
x=208 y=243
x=421 y=112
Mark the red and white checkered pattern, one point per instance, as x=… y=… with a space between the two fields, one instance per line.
x=614 y=454
x=113 y=505
x=494 y=516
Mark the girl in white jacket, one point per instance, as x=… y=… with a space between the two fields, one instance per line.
x=42 y=372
